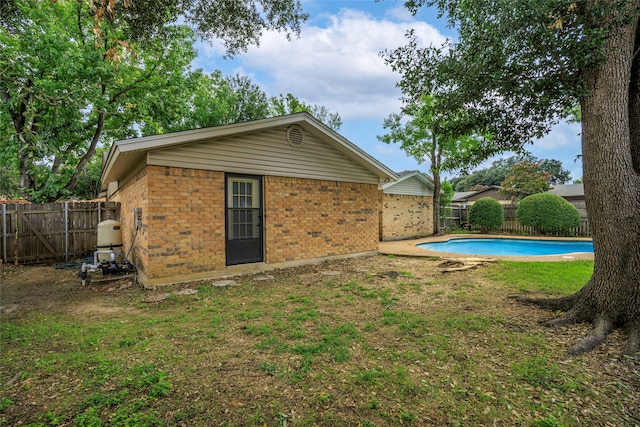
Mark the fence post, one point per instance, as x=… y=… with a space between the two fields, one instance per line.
x=66 y=231
x=4 y=233
x=99 y=220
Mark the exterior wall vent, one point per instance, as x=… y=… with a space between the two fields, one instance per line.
x=295 y=136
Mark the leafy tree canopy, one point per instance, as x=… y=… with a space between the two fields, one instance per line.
x=289 y=104
x=236 y=24
x=76 y=76
x=424 y=133
x=62 y=94
x=525 y=179
x=499 y=169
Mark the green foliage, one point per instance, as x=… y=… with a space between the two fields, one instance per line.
x=486 y=213
x=525 y=179
x=500 y=169
x=249 y=102
x=236 y=24
x=77 y=76
x=289 y=104
x=548 y=213
x=528 y=75
x=428 y=134
x=241 y=24
x=9 y=186
x=66 y=93
x=446 y=193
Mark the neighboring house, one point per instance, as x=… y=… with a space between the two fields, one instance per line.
x=406 y=207
x=469 y=197
x=574 y=194
x=244 y=197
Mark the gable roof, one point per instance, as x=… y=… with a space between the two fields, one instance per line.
x=410 y=183
x=126 y=154
x=461 y=195
x=465 y=195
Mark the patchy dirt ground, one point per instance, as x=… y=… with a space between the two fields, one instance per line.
x=24 y=290
x=44 y=288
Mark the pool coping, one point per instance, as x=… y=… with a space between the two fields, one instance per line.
x=410 y=248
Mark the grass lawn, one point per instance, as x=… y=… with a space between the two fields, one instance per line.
x=371 y=341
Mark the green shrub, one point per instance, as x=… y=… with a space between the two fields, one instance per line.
x=548 y=214
x=486 y=213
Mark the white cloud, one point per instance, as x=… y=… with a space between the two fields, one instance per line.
x=337 y=66
x=335 y=63
x=561 y=135
x=385 y=149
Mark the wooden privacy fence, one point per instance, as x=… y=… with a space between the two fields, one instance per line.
x=456 y=216
x=52 y=232
x=453 y=216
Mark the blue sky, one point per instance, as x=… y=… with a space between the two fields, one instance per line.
x=336 y=63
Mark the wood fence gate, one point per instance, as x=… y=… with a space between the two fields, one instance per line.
x=52 y=232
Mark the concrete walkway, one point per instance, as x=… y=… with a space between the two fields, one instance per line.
x=409 y=248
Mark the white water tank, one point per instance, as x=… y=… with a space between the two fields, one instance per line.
x=109 y=237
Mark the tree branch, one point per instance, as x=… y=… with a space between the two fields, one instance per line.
x=85 y=159
x=96 y=134
x=133 y=85
x=79 y=21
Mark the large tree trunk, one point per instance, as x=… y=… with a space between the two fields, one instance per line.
x=610 y=135
x=437 y=185
x=436 y=166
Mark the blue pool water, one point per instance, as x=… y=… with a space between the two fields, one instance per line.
x=509 y=247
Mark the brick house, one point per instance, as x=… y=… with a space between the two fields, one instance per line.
x=243 y=197
x=406 y=207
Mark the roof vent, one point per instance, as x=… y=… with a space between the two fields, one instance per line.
x=295 y=136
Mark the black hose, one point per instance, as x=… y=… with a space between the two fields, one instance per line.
x=132 y=242
x=72 y=265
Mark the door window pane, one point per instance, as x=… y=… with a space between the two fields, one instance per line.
x=244 y=208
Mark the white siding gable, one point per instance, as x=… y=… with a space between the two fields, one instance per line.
x=265 y=153
x=411 y=187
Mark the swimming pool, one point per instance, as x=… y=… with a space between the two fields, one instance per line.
x=509 y=247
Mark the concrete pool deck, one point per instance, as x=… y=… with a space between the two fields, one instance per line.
x=409 y=248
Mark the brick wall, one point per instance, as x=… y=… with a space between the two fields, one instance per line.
x=182 y=234
x=404 y=216
x=133 y=194
x=308 y=218
x=186 y=219
x=183 y=215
